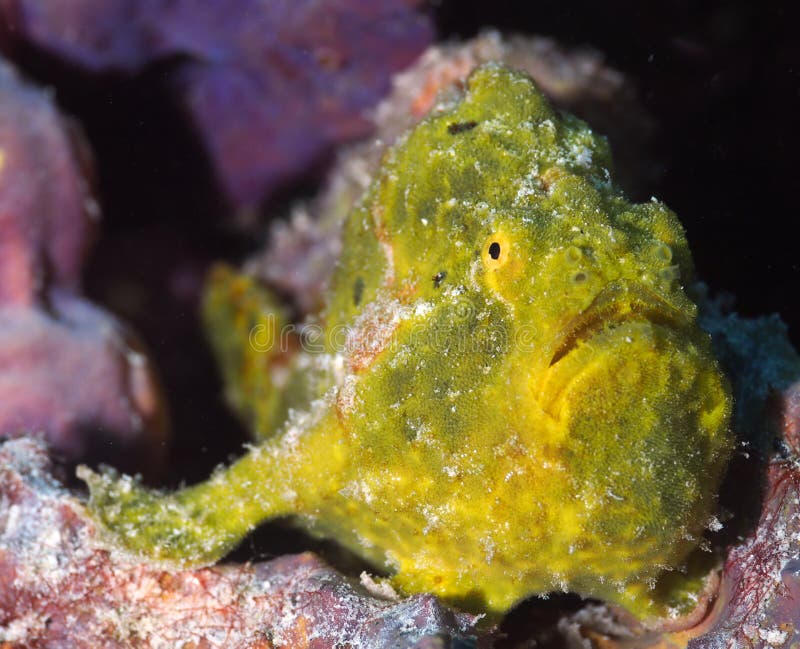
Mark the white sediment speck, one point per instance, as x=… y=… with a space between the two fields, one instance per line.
x=775 y=637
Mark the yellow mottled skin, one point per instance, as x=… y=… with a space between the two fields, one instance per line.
x=510 y=394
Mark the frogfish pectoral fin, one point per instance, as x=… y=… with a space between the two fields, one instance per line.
x=196 y=525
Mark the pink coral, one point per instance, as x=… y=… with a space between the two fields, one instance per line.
x=46 y=207
x=70 y=371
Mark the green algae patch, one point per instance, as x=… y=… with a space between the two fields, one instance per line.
x=508 y=392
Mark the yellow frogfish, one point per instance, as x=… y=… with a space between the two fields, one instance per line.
x=509 y=393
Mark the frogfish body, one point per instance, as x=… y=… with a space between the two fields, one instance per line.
x=509 y=393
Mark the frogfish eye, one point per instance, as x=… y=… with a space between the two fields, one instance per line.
x=496 y=249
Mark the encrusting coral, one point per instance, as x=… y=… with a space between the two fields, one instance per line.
x=506 y=392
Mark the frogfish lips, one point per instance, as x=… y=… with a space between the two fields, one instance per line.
x=616 y=304
x=629 y=344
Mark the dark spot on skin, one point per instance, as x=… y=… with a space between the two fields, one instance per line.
x=438 y=278
x=358 y=290
x=460 y=127
x=494 y=250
